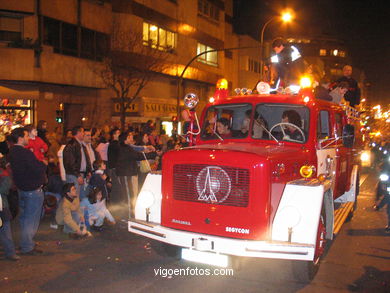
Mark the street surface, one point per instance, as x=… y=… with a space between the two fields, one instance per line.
x=116 y=261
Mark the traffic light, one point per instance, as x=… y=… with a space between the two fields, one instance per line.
x=59 y=116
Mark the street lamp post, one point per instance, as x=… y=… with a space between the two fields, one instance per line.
x=286 y=17
x=181 y=77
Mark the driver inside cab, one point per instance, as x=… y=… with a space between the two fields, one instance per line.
x=292 y=117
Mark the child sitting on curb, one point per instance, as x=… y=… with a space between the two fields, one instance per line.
x=96 y=210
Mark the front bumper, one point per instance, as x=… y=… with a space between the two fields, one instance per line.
x=222 y=245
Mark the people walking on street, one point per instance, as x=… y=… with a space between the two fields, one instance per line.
x=87 y=142
x=127 y=169
x=353 y=94
x=112 y=157
x=76 y=161
x=42 y=131
x=29 y=176
x=6 y=239
x=35 y=143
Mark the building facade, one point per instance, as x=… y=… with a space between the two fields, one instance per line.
x=52 y=50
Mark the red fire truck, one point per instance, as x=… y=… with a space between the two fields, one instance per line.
x=270 y=176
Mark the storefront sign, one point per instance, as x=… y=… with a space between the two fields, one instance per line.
x=130 y=107
x=160 y=108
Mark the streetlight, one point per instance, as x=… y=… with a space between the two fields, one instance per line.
x=285 y=17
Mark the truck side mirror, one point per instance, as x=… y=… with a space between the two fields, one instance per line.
x=348 y=135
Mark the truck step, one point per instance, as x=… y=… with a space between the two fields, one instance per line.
x=341 y=214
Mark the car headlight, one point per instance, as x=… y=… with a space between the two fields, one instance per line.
x=146 y=199
x=365 y=157
x=384 y=177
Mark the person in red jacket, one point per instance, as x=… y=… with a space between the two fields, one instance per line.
x=35 y=143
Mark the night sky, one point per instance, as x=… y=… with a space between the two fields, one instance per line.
x=364 y=25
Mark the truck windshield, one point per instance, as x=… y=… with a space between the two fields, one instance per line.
x=281 y=122
x=227 y=121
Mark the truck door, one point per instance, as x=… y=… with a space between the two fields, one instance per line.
x=342 y=155
x=326 y=147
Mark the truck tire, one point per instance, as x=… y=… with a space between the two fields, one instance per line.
x=357 y=190
x=305 y=271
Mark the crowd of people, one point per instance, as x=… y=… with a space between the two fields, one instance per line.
x=72 y=178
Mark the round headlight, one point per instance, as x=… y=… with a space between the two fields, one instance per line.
x=145 y=199
x=191 y=100
x=384 y=177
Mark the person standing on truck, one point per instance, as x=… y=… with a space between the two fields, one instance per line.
x=353 y=94
x=287 y=64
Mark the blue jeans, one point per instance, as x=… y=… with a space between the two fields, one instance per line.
x=30 y=204
x=6 y=239
x=76 y=218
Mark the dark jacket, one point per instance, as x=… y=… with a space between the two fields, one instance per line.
x=112 y=153
x=72 y=158
x=353 y=94
x=27 y=172
x=127 y=160
x=5 y=185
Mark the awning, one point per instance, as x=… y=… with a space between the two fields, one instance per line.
x=18 y=92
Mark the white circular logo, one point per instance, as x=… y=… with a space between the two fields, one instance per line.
x=213 y=184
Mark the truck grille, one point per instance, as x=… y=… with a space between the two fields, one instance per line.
x=219 y=185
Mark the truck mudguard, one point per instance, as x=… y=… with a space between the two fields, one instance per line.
x=299 y=211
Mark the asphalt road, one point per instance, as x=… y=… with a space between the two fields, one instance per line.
x=114 y=260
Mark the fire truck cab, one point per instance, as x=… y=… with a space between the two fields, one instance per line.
x=270 y=176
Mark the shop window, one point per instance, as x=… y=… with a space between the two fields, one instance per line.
x=208 y=9
x=158 y=38
x=14 y=113
x=210 y=58
x=10 y=28
x=322 y=52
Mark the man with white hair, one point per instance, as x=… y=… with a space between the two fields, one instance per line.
x=353 y=94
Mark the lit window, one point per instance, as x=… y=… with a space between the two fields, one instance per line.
x=322 y=52
x=208 y=9
x=342 y=53
x=210 y=58
x=158 y=38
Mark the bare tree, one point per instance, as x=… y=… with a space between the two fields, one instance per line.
x=129 y=66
